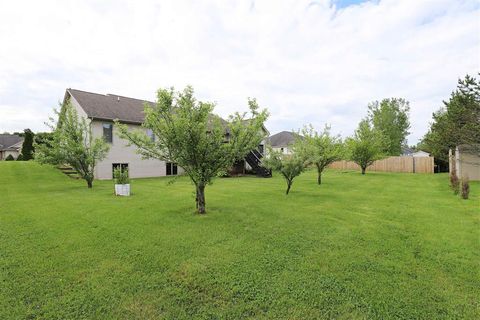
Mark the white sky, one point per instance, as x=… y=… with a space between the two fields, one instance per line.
x=306 y=61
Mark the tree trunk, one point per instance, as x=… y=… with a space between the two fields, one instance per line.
x=363 y=170
x=319 y=171
x=289 y=184
x=89 y=183
x=201 y=198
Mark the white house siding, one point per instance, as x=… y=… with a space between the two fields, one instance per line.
x=284 y=150
x=121 y=153
x=4 y=154
x=81 y=113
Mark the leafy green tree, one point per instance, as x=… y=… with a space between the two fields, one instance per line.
x=43 y=138
x=72 y=143
x=390 y=117
x=365 y=147
x=457 y=122
x=289 y=166
x=320 y=148
x=188 y=134
x=27 y=147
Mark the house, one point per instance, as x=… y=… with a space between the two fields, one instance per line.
x=10 y=144
x=283 y=141
x=467 y=161
x=101 y=110
x=409 y=152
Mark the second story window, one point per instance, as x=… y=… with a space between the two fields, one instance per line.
x=150 y=134
x=108 y=132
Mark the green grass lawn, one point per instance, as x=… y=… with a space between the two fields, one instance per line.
x=380 y=246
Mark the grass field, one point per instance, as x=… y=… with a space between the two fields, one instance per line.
x=380 y=246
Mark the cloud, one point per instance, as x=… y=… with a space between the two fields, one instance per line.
x=307 y=61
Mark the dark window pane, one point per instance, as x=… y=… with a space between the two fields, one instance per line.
x=107 y=132
x=169 y=169
x=122 y=166
x=174 y=169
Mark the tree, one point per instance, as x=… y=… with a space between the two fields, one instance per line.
x=289 y=166
x=27 y=147
x=320 y=149
x=72 y=143
x=43 y=138
x=390 y=117
x=457 y=122
x=365 y=146
x=188 y=134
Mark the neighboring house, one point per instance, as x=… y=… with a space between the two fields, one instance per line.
x=10 y=144
x=102 y=110
x=408 y=152
x=467 y=161
x=283 y=141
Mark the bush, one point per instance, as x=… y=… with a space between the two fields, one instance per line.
x=465 y=188
x=20 y=157
x=121 y=176
x=9 y=158
x=454 y=182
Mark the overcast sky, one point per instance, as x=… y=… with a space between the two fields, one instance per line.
x=306 y=61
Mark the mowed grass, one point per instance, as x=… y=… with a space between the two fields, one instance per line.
x=380 y=246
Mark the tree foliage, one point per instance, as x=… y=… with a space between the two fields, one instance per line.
x=457 y=122
x=319 y=148
x=9 y=158
x=289 y=166
x=365 y=146
x=391 y=118
x=72 y=143
x=188 y=134
x=27 y=147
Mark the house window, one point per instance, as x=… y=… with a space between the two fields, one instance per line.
x=121 y=166
x=108 y=132
x=151 y=135
x=281 y=149
x=172 y=169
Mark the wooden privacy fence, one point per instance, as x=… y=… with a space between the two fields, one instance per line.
x=391 y=164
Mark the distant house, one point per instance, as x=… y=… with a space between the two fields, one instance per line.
x=283 y=141
x=101 y=110
x=409 y=152
x=467 y=161
x=10 y=144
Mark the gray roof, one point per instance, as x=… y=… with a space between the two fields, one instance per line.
x=407 y=151
x=8 y=141
x=109 y=106
x=283 y=139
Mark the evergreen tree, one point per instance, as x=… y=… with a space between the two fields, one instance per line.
x=27 y=147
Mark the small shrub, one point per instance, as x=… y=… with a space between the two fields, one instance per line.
x=9 y=158
x=121 y=176
x=20 y=157
x=465 y=188
x=454 y=182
